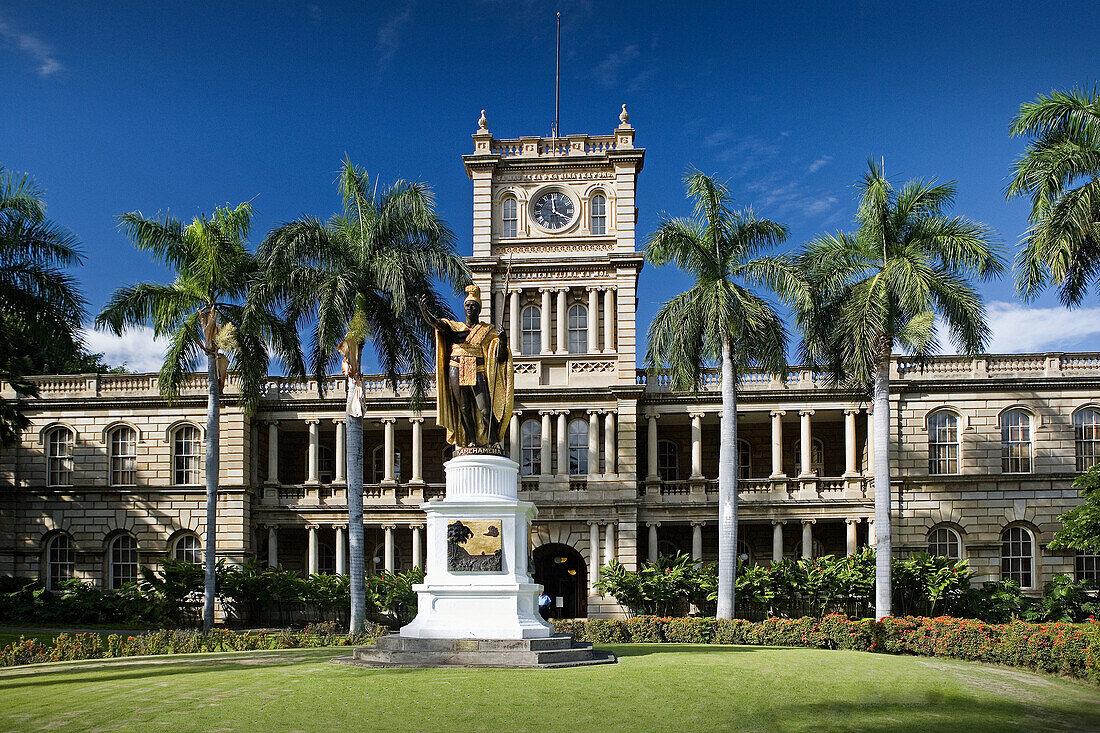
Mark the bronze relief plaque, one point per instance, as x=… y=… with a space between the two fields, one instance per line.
x=474 y=545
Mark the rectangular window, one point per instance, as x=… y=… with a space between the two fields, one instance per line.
x=1016 y=442
x=943 y=444
x=1088 y=566
x=59 y=464
x=599 y=215
x=123 y=457
x=187 y=456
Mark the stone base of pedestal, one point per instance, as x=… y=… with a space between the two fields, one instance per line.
x=478 y=612
x=554 y=652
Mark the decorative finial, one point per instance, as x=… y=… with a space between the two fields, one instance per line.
x=483 y=122
x=624 y=116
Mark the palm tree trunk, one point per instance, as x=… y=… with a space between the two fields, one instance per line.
x=727 y=489
x=883 y=528
x=213 y=446
x=355 y=520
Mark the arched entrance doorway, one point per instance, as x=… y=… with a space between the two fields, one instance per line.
x=561 y=570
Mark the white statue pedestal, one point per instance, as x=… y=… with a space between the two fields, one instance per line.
x=484 y=602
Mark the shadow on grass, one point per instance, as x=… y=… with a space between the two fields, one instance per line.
x=645 y=650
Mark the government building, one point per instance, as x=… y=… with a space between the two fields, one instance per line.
x=109 y=477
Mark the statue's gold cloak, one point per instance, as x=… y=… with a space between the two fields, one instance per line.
x=498 y=375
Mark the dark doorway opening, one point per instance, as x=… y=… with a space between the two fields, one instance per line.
x=562 y=572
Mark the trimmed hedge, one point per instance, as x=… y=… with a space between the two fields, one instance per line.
x=1063 y=648
x=91 y=645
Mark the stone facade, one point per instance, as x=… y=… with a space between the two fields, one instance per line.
x=618 y=465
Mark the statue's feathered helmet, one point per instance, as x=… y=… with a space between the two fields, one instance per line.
x=473 y=292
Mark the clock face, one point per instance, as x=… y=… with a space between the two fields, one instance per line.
x=553 y=210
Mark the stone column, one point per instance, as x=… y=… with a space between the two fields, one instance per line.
x=513 y=437
x=341 y=459
x=514 y=335
x=609 y=320
x=651 y=446
x=697 y=542
x=417 y=551
x=545 y=457
x=341 y=549
x=870 y=446
x=806 y=440
x=563 y=322
x=593 y=442
x=563 y=443
x=850 y=535
x=544 y=321
x=808 y=538
x=696 y=444
x=653 y=540
x=272 y=546
x=610 y=447
x=777 y=444
x=593 y=557
x=593 y=320
x=850 y=442
x=313 y=466
x=418 y=450
x=608 y=543
x=387 y=451
x=777 y=539
x=273 y=452
x=313 y=553
x=388 y=547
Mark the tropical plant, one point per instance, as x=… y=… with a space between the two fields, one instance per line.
x=660 y=588
x=204 y=313
x=1060 y=171
x=356 y=278
x=1079 y=528
x=883 y=286
x=720 y=320
x=40 y=304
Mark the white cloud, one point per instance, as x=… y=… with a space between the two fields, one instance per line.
x=41 y=52
x=820 y=163
x=389 y=36
x=607 y=72
x=1018 y=328
x=136 y=347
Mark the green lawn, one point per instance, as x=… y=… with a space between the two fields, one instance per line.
x=653 y=688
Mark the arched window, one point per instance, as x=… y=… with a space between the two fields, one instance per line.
x=1086 y=434
x=509 y=216
x=943 y=443
x=817 y=455
x=1015 y=441
x=530 y=330
x=122 y=561
x=1087 y=565
x=59 y=457
x=599 y=214
x=123 y=446
x=668 y=460
x=744 y=459
x=60 y=560
x=380 y=464
x=945 y=542
x=186 y=454
x=578 y=329
x=325 y=464
x=578 y=447
x=188 y=548
x=1018 y=556
x=530 y=448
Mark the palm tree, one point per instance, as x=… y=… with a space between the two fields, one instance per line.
x=720 y=320
x=40 y=304
x=358 y=278
x=1062 y=245
x=884 y=285
x=204 y=312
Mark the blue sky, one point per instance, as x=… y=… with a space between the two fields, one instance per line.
x=118 y=106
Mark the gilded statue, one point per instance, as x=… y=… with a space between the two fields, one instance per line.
x=474 y=379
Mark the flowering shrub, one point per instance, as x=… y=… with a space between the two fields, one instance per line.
x=67 y=647
x=1062 y=648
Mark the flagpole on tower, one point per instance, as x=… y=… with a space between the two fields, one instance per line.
x=557 y=77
